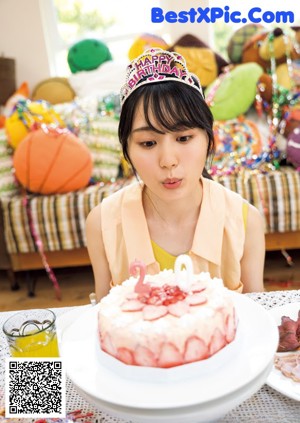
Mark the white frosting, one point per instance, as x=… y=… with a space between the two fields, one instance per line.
x=128 y=329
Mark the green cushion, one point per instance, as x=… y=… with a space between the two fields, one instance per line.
x=87 y=55
x=233 y=94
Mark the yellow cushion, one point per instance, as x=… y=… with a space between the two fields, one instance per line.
x=200 y=61
x=54 y=90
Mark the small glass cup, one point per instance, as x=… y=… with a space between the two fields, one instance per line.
x=32 y=333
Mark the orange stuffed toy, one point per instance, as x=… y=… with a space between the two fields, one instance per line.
x=52 y=161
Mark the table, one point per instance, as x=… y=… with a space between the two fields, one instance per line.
x=265 y=406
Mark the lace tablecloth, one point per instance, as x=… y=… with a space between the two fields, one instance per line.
x=266 y=406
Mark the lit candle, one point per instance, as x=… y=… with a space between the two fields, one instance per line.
x=186 y=261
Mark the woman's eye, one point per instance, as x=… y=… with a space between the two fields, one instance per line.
x=184 y=138
x=147 y=144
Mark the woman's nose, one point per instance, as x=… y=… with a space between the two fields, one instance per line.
x=168 y=155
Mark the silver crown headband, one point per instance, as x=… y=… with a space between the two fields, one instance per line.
x=157 y=65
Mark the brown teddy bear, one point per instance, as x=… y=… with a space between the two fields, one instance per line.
x=264 y=46
x=279 y=55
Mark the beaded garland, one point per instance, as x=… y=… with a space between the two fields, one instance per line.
x=277 y=111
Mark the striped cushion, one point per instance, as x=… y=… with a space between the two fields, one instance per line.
x=276 y=195
x=59 y=220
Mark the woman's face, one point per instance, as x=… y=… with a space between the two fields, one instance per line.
x=169 y=163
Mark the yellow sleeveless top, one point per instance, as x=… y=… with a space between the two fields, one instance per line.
x=167 y=260
x=218 y=250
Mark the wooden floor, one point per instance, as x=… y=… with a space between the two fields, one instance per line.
x=77 y=283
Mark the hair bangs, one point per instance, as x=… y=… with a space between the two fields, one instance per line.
x=170 y=108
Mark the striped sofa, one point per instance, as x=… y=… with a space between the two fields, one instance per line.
x=37 y=227
x=58 y=221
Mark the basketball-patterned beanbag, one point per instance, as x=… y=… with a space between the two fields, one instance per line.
x=52 y=161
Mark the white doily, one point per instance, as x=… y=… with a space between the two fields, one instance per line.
x=265 y=406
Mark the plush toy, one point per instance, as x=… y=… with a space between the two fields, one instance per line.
x=239 y=38
x=250 y=52
x=88 y=54
x=278 y=87
x=22 y=93
x=232 y=94
x=276 y=52
x=143 y=42
x=261 y=47
x=292 y=119
x=27 y=115
x=200 y=58
x=293 y=147
x=54 y=90
x=52 y=161
x=281 y=48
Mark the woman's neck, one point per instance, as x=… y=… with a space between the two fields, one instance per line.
x=172 y=213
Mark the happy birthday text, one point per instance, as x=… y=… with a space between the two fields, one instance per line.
x=158 y=67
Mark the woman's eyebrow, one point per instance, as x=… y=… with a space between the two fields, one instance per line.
x=146 y=128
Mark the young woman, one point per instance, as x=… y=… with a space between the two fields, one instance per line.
x=174 y=208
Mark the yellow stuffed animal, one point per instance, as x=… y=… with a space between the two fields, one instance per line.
x=281 y=48
x=29 y=114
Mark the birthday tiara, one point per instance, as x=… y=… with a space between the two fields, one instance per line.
x=157 y=65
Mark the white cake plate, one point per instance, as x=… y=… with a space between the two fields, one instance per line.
x=235 y=378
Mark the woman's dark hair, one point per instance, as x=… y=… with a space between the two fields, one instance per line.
x=173 y=105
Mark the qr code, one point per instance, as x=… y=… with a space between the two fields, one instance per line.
x=34 y=388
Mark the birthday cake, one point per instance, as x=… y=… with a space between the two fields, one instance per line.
x=168 y=319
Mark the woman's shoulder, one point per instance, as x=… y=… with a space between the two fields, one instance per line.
x=112 y=206
x=116 y=197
